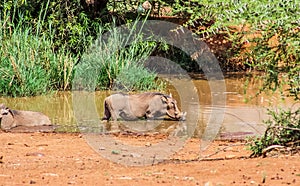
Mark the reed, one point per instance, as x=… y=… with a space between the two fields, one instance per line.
x=110 y=64
x=31 y=62
x=28 y=63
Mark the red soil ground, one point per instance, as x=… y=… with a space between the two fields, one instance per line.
x=67 y=159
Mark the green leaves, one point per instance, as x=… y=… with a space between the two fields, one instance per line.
x=271 y=29
x=282 y=129
x=28 y=64
x=265 y=35
x=70 y=23
x=110 y=64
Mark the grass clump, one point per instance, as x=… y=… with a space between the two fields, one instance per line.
x=113 y=62
x=29 y=66
x=30 y=63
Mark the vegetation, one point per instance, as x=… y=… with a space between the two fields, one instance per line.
x=112 y=63
x=283 y=132
x=39 y=52
x=263 y=35
x=72 y=24
x=42 y=40
x=28 y=63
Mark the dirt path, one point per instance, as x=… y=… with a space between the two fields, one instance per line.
x=66 y=159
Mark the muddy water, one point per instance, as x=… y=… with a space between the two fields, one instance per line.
x=84 y=110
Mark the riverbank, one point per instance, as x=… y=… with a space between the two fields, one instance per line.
x=67 y=159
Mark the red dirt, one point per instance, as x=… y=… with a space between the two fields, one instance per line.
x=66 y=159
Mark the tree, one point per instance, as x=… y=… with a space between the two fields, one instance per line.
x=265 y=35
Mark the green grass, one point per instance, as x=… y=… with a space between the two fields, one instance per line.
x=110 y=63
x=29 y=65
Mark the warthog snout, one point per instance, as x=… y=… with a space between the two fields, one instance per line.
x=181 y=116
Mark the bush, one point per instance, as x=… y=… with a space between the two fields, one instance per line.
x=28 y=64
x=264 y=35
x=35 y=59
x=283 y=130
x=71 y=24
x=110 y=64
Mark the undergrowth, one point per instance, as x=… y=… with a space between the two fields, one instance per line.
x=32 y=63
x=28 y=63
x=113 y=62
x=283 y=131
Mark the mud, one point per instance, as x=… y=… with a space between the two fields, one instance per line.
x=67 y=159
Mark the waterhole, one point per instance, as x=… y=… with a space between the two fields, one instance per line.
x=243 y=115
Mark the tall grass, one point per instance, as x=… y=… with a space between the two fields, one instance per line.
x=110 y=64
x=31 y=63
x=28 y=63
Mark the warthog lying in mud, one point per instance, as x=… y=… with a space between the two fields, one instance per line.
x=146 y=105
x=10 y=119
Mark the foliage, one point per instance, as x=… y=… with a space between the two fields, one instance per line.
x=72 y=24
x=265 y=36
x=277 y=54
x=41 y=41
x=283 y=129
x=110 y=63
x=28 y=64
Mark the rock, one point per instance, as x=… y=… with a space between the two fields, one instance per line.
x=148 y=144
x=125 y=178
x=230 y=156
x=101 y=148
x=32 y=182
x=35 y=154
x=189 y=178
x=208 y=183
x=115 y=152
x=135 y=155
x=252 y=182
x=50 y=174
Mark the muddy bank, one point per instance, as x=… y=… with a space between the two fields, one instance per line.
x=62 y=159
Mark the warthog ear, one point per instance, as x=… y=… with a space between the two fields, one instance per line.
x=4 y=109
x=11 y=112
x=164 y=98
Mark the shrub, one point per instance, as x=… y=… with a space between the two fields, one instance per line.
x=29 y=65
x=71 y=24
x=112 y=64
x=283 y=130
x=263 y=35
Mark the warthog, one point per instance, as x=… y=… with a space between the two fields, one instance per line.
x=146 y=105
x=14 y=118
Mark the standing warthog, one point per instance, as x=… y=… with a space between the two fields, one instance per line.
x=14 y=118
x=146 y=105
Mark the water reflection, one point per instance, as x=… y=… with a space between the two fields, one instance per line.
x=240 y=117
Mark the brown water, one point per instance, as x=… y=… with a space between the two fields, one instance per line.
x=69 y=110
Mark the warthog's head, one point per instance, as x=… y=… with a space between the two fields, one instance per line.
x=4 y=110
x=172 y=108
